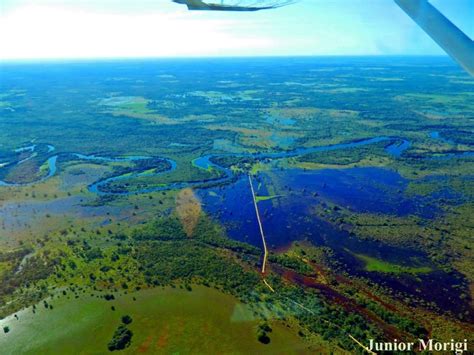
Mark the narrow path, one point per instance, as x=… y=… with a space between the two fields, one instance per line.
x=265 y=255
x=268 y=285
x=265 y=251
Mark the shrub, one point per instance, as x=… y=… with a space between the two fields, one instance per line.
x=109 y=297
x=263 y=338
x=121 y=338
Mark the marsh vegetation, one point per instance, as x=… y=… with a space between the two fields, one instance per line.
x=124 y=192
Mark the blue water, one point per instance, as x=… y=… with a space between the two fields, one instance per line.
x=226 y=175
x=292 y=217
x=369 y=190
x=52 y=167
x=206 y=163
x=434 y=135
x=280 y=120
x=396 y=149
x=96 y=187
x=362 y=190
x=51 y=172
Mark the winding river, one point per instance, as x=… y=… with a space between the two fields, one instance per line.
x=395 y=149
x=367 y=190
x=204 y=162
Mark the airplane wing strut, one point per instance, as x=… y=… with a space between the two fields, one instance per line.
x=449 y=37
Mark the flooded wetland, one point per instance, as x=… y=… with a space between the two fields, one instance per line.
x=124 y=177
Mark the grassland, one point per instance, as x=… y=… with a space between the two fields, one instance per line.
x=164 y=321
x=265 y=198
x=377 y=265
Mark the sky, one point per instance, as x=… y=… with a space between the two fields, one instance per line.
x=59 y=29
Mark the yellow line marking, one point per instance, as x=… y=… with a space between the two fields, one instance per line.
x=268 y=285
x=362 y=345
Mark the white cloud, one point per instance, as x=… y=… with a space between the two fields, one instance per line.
x=161 y=28
x=65 y=32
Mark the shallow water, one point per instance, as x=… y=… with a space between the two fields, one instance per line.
x=273 y=119
x=368 y=190
x=202 y=162
x=291 y=217
x=363 y=190
x=395 y=149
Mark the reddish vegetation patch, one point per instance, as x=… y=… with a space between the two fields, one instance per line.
x=188 y=209
x=163 y=339
x=145 y=345
x=334 y=296
x=181 y=326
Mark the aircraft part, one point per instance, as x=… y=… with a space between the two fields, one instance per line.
x=449 y=37
x=233 y=5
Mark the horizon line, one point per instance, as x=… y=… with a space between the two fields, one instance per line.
x=146 y=58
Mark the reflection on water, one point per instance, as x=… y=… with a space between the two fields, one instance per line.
x=290 y=216
x=370 y=190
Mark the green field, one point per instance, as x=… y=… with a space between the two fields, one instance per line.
x=168 y=321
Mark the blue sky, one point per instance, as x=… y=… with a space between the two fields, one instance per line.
x=159 y=28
